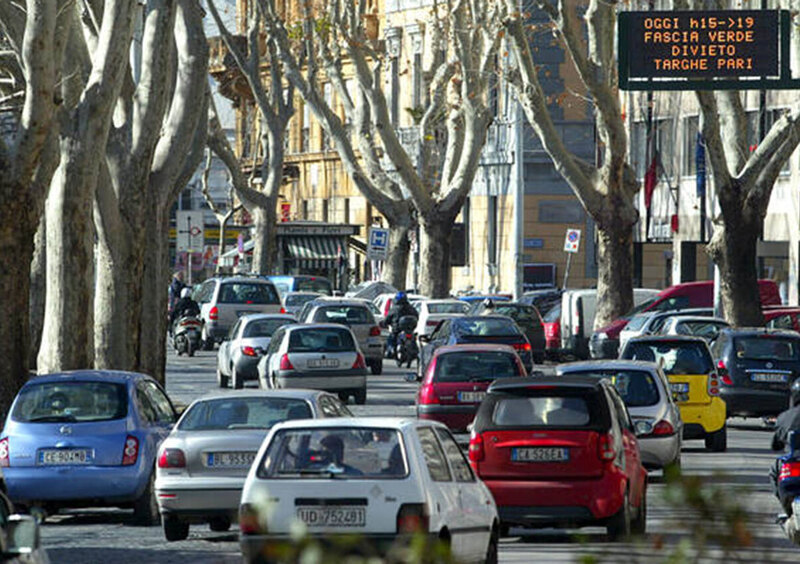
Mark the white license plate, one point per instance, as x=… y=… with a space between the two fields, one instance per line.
x=65 y=456
x=769 y=377
x=334 y=516
x=471 y=397
x=540 y=454
x=218 y=459
x=679 y=387
x=323 y=363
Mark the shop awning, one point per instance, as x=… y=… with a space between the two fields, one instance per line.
x=316 y=252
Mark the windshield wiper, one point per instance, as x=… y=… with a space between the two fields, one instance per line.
x=67 y=417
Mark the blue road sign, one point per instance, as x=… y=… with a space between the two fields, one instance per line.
x=378 y=243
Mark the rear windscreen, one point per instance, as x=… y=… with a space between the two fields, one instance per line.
x=766 y=348
x=348 y=315
x=522 y=315
x=248 y=293
x=542 y=411
x=320 y=285
x=264 y=327
x=553 y=315
x=318 y=339
x=475 y=366
x=488 y=327
x=455 y=307
x=55 y=402
x=243 y=413
x=299 y=299
x=676 y=357
x=637 y=388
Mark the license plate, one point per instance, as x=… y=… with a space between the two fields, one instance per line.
x=471 y=397
x=65 y=456
x=769 y=377
x=323 y=363
x=679 y=387
x=332 y=516
x=547 y=454
x=218 y=459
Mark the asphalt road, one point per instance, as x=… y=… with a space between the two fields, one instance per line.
x=725 y=483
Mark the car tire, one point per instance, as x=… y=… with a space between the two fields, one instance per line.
x=718 y=440
x=376 y=367
x=343 y=397
x=219 y=524
x=491 y=548
x=222 y=380
x=639 y=525
x=619 y=525
x=145 y=507
x=236 y=379
x=360 y=396
x=175 y=529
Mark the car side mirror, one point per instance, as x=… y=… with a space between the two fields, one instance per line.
x=642 y=428
x=425 y=338
x=22 y=535
x=411 y=377
x=179 y=408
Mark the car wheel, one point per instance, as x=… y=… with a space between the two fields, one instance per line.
x=376 y=367
x=236 y=378
x=219 y=524
x=175 y=529
x=718 y=440
x=343 y=397
x=361 y=396
x=145 y=508
x=639 y=525
x=619 y=525
x=491 y=549
x=222 y=380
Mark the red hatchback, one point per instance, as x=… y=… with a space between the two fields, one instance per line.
x=456 y=380
x=560 y=452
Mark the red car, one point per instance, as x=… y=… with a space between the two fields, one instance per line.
x=560 y=451
x=456 y=379
x=782 y=318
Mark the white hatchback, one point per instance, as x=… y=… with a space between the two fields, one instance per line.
x=378 y=480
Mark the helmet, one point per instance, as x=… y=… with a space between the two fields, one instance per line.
x=399 y=296
x=488 y=303
x=186 y=292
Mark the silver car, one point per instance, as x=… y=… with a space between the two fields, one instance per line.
x=357 y=316
x=203 y=463
x=293 y=302
x=246 y=342
x=650 y=322
x=706 y=327
x=323 y=356
x=645 y=390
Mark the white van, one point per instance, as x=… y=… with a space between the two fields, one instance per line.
x=578 y=308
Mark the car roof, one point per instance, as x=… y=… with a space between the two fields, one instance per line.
x=752 y=331
x=255 y=316
x=243 y=279
x=444 y=301
x=303 y=293
x=666 y=339
x=679 y=318
x=466 y=318
x=297 y=326
x=612 y=364
x=114 y=376
x=555 y=382
x=394 y=422
x=291 y=393
x=476 y=347
x=328 y=300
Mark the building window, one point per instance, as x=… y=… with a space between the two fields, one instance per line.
x=664 y=145
x=465 y=218
x=325 y=210
x=327 y=143
x=305 y=132
x=347 y=210
x=305 y=209
x=492 y=223
x=690 y=128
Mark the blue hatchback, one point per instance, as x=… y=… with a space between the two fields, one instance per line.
x=86 y=439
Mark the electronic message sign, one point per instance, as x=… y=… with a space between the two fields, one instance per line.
x=701 y=45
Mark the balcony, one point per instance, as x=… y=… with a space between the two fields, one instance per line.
x=222 y=66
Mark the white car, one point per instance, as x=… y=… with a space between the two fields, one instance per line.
x=431 y=312
x=384 y=301
x=380 y=479
x=699 y=326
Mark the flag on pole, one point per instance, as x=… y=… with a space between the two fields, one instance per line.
x=700 y=166
x=650 y=180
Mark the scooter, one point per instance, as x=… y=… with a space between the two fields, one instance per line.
x=785 y=477
x=406 y=350
x=186 y=335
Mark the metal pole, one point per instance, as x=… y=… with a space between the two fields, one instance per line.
x=566 y=271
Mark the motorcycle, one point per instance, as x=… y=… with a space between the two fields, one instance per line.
x=186 y=335
x=406 y=350
x=785 y=477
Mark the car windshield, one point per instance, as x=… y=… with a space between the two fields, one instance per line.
x=644 y=306
x=247 y=293
x=243 y=413
x=636 y=387
x=335 y=453
x=320 y=285
x=299 y=299
x=318 y=339
x=675 y=356
x=699 y=328
x=488 y=327
x=521 y=314
x=453 y=307
x=766 y=347
x=82 y=402
x=551 y=410
x=346 y=314
x=637 y=322
x=475 y=366
x=264 y=327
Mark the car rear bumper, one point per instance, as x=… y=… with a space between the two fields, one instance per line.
x=336 y=381
x=604 y=348
x=216 y=331
x=577 y=346
x=456 y=417
x=657 y=452
x=546 y=502
x=750 y=402
x=709 y=416
x=76 y=486
x=247 y=367
x=192 y=497
x=373 y=349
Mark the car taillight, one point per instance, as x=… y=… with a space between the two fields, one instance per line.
x=5 y=460
x=789 y=470
x=431 y=323
x=172 y=458
x=387 y=307
x=283 y=309
x=525 y=347
x=286 y=363
x=131 y=451
x=605 y=448
x=726 y=379
x=412 y=518
x=359 y=363
x=213 y=315
x=476 y=453
x=410 y=336
x=249 y=351
x=427 y=395
x=248 y=520
x=663 y=428
x=375 y=331
x=713 y=384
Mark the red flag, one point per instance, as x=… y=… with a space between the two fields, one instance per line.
x=650 y=181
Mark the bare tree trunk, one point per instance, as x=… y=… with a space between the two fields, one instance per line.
x=614 y=268
x=37 y=292
x=395 y=267
x=155 y=281
x=264 y=237
x=436 y=229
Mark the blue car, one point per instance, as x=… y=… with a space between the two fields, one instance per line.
x=86 y=439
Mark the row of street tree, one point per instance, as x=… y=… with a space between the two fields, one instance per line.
x=107 y=130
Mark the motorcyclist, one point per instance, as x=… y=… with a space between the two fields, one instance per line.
x=185 y=306
x=488 y=307
x=788 y=420
x=400 y=308
x=176 y=288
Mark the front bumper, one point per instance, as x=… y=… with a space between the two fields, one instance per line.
x=749 y=402
x=343 y=380
x=603 y=348
x=456 y=417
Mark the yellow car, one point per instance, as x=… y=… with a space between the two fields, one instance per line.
x=688 y=364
